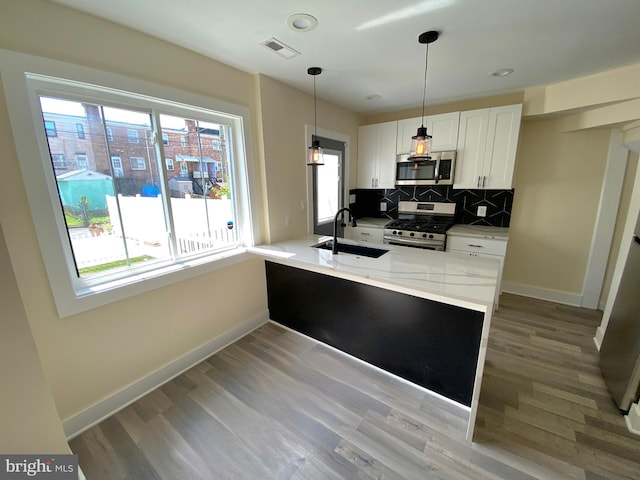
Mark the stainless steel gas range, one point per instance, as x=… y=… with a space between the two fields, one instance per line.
x=421 y=225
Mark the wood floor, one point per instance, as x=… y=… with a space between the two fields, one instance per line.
x=276 y=405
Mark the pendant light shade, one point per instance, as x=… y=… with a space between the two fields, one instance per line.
x=421 y=141
x=314 y=154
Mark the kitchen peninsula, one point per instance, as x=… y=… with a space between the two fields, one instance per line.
x=421 y=315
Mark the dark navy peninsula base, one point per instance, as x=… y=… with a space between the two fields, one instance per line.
x=429 y=343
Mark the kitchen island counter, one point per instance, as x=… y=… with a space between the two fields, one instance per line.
x=419 y=314
x=440 y=276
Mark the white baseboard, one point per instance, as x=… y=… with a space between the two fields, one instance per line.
x=597 y=339
x=632 y=419
x=557 y=296
x=94 y=414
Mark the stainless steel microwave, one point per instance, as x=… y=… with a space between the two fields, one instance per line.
x=437 y=170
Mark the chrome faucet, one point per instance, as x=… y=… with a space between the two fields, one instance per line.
x=352 y=219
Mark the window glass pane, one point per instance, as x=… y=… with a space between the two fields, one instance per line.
x=202 y=203
x=328 y=198
x=111 y=223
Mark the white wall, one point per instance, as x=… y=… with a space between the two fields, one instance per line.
x=90 y=357
x=29 y=419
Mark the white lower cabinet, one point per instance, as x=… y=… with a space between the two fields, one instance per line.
x=480 y=247
x=364 y=234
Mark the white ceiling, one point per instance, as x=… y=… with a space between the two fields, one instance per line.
x=370 y=47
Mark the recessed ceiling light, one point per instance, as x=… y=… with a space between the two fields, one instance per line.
x=503 y=72
x=302 y=22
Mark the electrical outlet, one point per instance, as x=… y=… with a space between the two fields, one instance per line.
x=482 y=211
x=383 y=206
x=287 y=221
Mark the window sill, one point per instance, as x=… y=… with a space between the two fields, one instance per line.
x=96 y=296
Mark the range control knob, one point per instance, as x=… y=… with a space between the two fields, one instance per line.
x=412 y=234
x=424 y=235
x=430 y=236
x=399 y=233
x=394 y=232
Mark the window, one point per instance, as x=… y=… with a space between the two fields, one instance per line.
x=50 y=128
x=133 y=136
x=183 y=141
x=116 y=166
x=80 y=130
x=169 y=164
x=184 y=169
x=165 y=139
x=58 y=160
x=81 y=160
x=109 y=134
x=215 y=144
x=137 y=163
x=179 y=236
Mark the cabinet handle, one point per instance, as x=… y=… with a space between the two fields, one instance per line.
x=372 y=184
x=478 y=184
x=474 y=246
x=365 y=234
x=484 y=181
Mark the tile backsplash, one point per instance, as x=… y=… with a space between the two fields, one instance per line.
x=498 y=202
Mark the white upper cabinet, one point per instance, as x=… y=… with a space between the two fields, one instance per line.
x=377 y=155
x=487 y=143
x=443 y=128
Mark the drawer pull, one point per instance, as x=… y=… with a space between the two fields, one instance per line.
x=475 y=246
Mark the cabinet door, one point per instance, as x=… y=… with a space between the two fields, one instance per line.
x=368 y=155
x=388 y=133
x=502 y=143
x=407 y=128
x=444 y=130
x=471 y=147
x=365 y=234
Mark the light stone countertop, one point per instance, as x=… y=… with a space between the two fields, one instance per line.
x=479 y=231
x=446 y=277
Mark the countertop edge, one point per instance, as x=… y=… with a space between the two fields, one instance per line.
x=289 y=259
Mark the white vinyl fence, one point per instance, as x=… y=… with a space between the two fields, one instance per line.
x=199 y=223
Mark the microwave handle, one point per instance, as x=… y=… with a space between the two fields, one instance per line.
x=436 y=173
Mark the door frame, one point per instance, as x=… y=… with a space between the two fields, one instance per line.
x=340 y=137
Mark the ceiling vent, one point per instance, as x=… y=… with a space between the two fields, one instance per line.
x=280 y=48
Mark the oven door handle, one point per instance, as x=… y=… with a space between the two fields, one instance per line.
x=436 y=173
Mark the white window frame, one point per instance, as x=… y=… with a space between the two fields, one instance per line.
x=82 y=158
x=183 y=141
x=165 y=139
x=109 y=134
x=215 y=144
x=169 y=162
x=59 y=160
x=132 y=136
x=138 y=163
x=24 y=77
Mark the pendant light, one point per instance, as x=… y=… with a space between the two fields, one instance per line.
x=421 y=142
x=314 y=154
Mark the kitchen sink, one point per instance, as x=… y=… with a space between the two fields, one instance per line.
x=353 y=249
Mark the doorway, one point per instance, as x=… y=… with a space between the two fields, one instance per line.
x=328 y=187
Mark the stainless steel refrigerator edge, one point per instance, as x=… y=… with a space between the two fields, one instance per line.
x=620 y=349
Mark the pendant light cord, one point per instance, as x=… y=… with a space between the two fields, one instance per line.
x=315 y=109
x=424 y=93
